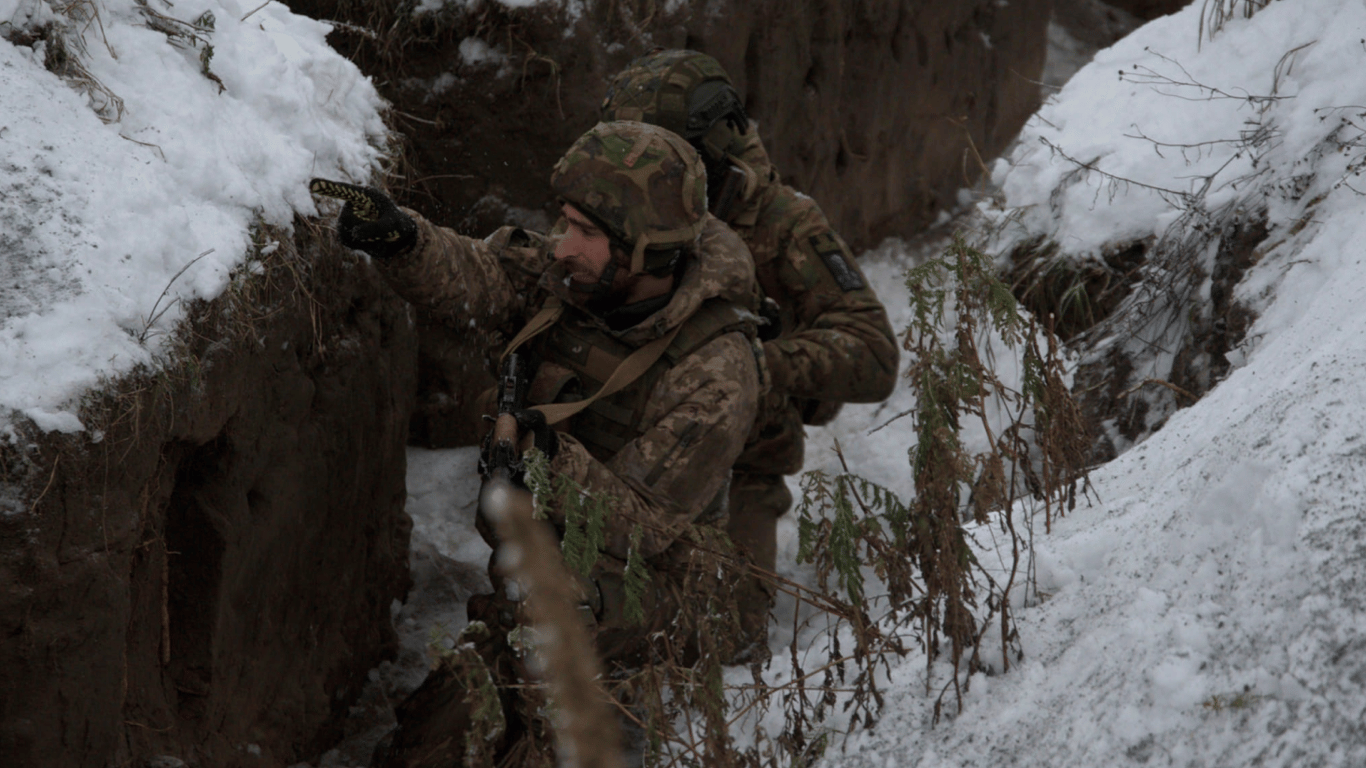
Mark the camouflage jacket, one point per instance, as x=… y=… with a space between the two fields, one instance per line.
x=834 y=343
x=698 y=413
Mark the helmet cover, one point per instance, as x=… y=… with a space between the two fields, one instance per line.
x=643 y=183
x=687 y=92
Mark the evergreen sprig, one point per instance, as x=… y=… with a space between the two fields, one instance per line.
x=585 y=513
x=636 y=579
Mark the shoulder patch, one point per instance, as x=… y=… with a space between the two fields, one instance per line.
x=831 y=251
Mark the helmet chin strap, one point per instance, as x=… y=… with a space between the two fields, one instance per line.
x=603 y=287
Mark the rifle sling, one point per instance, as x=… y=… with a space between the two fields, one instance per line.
x=541 y=321
x=630 y=369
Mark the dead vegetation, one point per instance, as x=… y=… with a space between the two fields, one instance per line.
x=1073 y=296
x=1150 y=340
x=1214 y=14
x=63 y=46
x=940 y=574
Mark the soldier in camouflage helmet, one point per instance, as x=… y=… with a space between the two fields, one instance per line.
x=648 y=206
x=636 y=259
x=828 y=341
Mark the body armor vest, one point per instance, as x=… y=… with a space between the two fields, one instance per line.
x=576 y=358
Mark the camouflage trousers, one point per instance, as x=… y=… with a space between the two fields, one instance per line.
x=689 y=608
x=756 y=502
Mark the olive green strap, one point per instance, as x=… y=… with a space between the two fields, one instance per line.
x=636 y=364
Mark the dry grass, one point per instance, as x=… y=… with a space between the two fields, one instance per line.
x=1214 y=14
x=932 y=587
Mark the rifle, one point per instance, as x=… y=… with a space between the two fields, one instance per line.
x=572 y=666
x=502 y=455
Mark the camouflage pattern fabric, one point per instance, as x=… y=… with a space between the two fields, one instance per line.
x=689 y=93
x=694 y=424
x=757 y=501
x=711 y=395
x=834 y=343
x=659 y=88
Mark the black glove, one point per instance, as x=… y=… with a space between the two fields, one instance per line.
x=369 y=221
x=771 y=320
x=542 y=436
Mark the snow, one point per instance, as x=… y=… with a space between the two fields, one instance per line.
x=1203 y=606
x=97 y=219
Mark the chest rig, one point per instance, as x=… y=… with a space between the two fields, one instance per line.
x=576 y=360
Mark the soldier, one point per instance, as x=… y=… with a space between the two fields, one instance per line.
x=828 y=341
x=636 y=276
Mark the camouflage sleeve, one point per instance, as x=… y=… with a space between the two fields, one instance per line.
x=465 y=281
x=699 y=416
x=840 y=346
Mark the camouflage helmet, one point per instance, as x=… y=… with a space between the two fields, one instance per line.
x=642 y=183
x=687 y=92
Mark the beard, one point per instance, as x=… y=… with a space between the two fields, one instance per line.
x=608 y=290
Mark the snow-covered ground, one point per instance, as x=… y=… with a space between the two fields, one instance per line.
x=106 y=228
x=1205 y=604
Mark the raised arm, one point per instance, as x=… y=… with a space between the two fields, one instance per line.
x=464 y=280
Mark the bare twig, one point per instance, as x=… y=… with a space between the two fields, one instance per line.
x=1160 y=383
x=254 y=10
x=145 y=144
x=1145 y=75
x=153 y=315
x=50 y=479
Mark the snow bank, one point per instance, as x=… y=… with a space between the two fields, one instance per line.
x=1205 y=606
x=97 y=221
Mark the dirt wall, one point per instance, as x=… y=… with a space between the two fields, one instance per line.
x=206 y=574
x=1150 y=9
x=873 y=107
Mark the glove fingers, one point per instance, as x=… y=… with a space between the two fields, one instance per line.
x=365 y=203
x=544 y=438
x=381 y=231
x=530 y=418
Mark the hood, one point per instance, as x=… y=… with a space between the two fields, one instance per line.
x=721 y=269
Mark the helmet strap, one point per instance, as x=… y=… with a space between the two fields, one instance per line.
x=715 y=143
x=603 y=287
x=726 y=185
x=638 y=255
